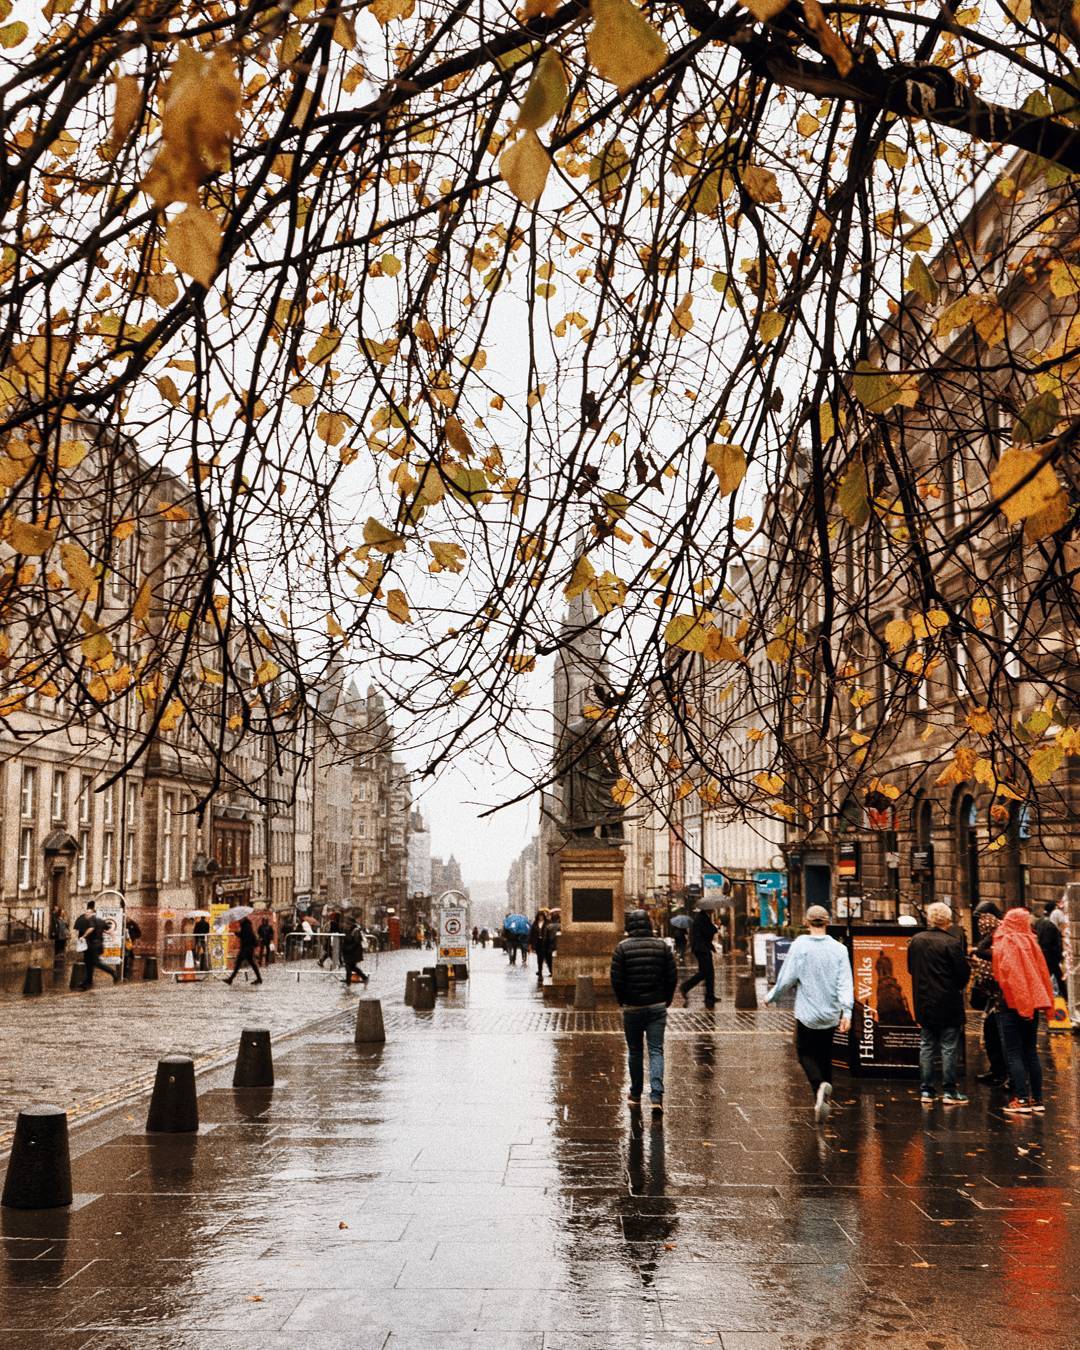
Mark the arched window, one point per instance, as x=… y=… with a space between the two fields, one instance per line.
x=967 y=849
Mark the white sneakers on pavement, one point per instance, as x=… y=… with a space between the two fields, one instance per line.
x=822 y=1104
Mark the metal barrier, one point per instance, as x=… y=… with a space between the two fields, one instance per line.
x=195 y=956
x=319 y=953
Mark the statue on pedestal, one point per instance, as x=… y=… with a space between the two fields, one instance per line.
x=587 y=770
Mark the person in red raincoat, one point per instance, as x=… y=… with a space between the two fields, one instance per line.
x=1022 y=975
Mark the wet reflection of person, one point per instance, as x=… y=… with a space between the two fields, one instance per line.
x=650 y=1214
x=246 y=954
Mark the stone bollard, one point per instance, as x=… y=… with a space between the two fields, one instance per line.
x=174 y=1107
x=584 y=993
x=442 y=979
x=410 y=987
x=254 y=1060
x=745 y=992
x=32 y=980
x=78 y=975
x=149 y=968
x=369 y=1022
x=429 y=971
x=424 y=997
x=461 y=970
x=39 y=1169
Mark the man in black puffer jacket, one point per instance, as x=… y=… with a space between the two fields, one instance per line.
x=644 y=977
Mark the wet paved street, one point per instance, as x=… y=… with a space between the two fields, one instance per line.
x=479 y=1182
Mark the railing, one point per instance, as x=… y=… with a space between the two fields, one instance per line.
x=16 y=928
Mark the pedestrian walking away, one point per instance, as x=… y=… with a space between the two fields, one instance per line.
x=352 y=953
x=266 y=941
x=702 y=935
x=1049 y=937
x=201 y=932
x=246 y=954
x=818 y=967
x=1020 y=970
x=644 y=978
x=939 y=974
x=92 y=928
x=986 y=995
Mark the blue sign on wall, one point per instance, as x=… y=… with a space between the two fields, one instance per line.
x=772 y=897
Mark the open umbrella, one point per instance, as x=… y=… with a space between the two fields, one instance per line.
x=237 y=913
x=680 y=921
x=517 y=924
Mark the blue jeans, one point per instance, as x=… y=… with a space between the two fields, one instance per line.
x=947 y=1041
x=645 y=1024
x=1020 y=1038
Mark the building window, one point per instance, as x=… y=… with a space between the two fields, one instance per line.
x=185 y=846
x=132 y=806
x=168 y=807
x=107 y=874
x=26 y=858
x=28 y=795
x=1010 y=629
x=86 y=798
x=129 y=860
x=82 y=867
x=960 y=666
x=108 y=809
x=59 y=794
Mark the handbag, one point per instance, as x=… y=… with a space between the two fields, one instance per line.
x=80 y=946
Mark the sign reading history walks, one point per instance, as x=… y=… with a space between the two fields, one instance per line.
x=884 y=1036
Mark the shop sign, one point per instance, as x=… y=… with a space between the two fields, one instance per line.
x=847 y=861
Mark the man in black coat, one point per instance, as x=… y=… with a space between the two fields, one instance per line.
x=352 y=953
x=702 y=932
x=939 y=972
x=246 y=954
x=1048 y=936
x=644 y=977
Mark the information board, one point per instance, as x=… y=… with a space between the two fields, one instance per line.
x=453 y=934
x=884 y=1036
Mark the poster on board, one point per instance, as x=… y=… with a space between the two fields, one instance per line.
x=453 y=934
x=884 y=1036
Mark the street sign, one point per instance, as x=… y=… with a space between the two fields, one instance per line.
x=847 y=861
x=453 y=934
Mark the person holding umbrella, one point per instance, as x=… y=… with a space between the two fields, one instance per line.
x=702 y=934
x=516 y=933
x=248 y=942
x=680 y=928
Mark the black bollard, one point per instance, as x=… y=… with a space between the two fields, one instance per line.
x=32 y=980
x=174 y=1107
x=369 y=1022
x=78 y=976
x=149 y=968
x=254 y=1060
x=442 y=979
x=424 y=997
x=745 y=992
x=39 y=1169
x=461 y=970
x=429 y=971
x=410 y=987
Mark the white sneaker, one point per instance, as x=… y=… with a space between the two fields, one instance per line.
x=822 y=1105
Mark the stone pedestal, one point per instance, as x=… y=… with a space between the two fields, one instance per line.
x=592 y=905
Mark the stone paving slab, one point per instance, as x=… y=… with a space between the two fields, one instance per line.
x=475 y=1188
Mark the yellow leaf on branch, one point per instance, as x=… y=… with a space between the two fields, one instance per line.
x=547 y=93
x=622 y=792
x=126 y=108
x=378 y=537
x=623 y=47
x=31 y=540
x=728 y=462
x=898 y=633
x=397 y=606
x=200 y=119
x=524 y=168
x=1020 y=502
x=761 y=185
x=193 y=244
x=447 y=557
x=267 y=671
x=830 y=43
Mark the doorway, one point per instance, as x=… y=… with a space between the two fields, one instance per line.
x=818 y=885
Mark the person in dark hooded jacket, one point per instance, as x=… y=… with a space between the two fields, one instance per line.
x=644 y=978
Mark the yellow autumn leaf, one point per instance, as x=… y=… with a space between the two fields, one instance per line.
x=581 y=578
x=547 y=92
x=126 y=107
x=448 y=557
x=622 y=792
x=378 y=537
x=385 y=11
x=728 y=462
x=830 y=43
x=140 y=609
x=687 y=632
x=770 y=783
x=80 y=572
x=520 y=662
x=898 y=633
x=267 y=671
x=980 y=721
x=761 y=185
x=193 y=243
x=1019 y=502
x=623 y=47
x=333 y=628
x=459 y=688
x=524 y=167
x=31 y=540
x=744 y=523
x=12 y=34
x=331 y=427
x=397 y=606
x=878 y=391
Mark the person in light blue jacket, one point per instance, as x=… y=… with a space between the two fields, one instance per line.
x=818 y=966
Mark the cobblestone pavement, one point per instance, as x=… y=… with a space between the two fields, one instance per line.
x=479 y=1183
x=85 y=1051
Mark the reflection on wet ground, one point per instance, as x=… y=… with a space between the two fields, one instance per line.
x=472 y=1184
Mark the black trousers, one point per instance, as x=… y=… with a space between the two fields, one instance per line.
x=705 y=971
x=244 y=958
x=813 y=1045
x=92 y=961
x=353 y=968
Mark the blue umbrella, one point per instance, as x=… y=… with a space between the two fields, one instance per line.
x=517 y=924
x=680 y=921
